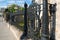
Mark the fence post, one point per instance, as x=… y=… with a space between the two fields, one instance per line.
x=25 y=22
x=53 y=21
x=45 y=22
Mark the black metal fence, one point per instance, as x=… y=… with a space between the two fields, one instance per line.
x=36 y=27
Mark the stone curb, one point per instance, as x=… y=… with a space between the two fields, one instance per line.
x=17 y=33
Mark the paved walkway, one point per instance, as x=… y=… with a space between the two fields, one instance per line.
x=5 y=33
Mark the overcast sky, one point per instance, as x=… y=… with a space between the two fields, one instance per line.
x=5 y=3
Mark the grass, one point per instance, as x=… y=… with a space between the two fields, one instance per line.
x=21 y=24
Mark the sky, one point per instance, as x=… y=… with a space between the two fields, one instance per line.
x=5 y=3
